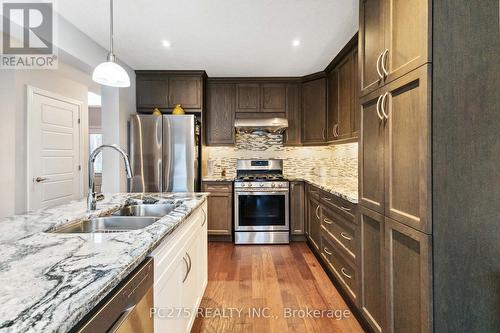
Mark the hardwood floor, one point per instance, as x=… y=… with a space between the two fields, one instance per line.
x=269 y=279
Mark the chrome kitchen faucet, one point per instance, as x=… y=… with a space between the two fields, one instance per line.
x=91 y=197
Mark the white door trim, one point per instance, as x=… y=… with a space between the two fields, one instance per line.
x=31 y=92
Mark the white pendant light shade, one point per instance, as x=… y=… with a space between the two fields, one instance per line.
x=111 y=74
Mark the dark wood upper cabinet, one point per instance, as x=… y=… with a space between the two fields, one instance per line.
x=406 y=107
x=292 y=135
x=394 y=39
x=273 y=97
x=332 y=115
x=345 y=98
x=152 y=91
x=219 y=118
x=314 y=111
x=165 y=89
x=247 y=97
x=343 y=94
x=355 y=115
x=371 y=44
x=185 y=90
x=407 y=37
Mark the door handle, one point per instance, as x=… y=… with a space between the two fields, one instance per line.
x=378 y=66
x=382 y=62
x=204 y=217
x=382 y=107
x=40 y=179
x=187 y=269
x=378 y=108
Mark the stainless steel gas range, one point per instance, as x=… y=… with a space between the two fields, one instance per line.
x=261 y=203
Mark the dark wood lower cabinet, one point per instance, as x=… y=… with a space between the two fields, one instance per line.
x=297 y=208
x=220 y=208
x=408 y=282
x=372 y=300
x=314 y=222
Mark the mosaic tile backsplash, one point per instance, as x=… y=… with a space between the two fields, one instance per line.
x=334 y=160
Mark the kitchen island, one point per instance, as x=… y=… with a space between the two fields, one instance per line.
x=50 y=281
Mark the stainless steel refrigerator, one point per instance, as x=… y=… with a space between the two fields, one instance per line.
x=164 y=153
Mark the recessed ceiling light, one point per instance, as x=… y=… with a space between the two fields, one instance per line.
x=166 y=43
x=296 y=42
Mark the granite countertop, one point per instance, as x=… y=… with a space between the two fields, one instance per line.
x=49 y=282
x=344 y=187
x=217 y=179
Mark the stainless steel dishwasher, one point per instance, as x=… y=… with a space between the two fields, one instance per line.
x=127 y=308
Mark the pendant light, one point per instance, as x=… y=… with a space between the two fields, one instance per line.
x=109 y=73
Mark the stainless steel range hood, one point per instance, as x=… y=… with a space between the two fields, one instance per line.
x=266 y=125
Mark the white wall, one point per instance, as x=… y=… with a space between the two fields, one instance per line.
x=117 y=106
x=78 y=55
x=8 y=145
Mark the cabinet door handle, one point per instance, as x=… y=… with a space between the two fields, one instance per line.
x=378 y=108
x=378 y=66
x=327 y=252
x=190 y=262
x=337 y=131
x=327 y=221
x=345 y=236
x=343 y=270
x=317 y=214
x=204 y=217
x=324 y=133
x=345 y=209
x=382 y=104
x=382 y=62
x=187 y=269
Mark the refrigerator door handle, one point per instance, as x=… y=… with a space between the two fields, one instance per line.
x=167 y=155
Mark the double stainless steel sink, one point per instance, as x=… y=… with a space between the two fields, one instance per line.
x=132 y=217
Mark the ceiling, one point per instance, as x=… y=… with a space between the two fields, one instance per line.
x=223 y=37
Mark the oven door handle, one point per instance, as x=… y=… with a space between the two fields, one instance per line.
x=261 y=192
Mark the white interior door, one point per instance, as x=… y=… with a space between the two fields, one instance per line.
x=54 y=145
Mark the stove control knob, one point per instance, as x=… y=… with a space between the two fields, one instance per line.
x=249 y=185
x=280 y=185
x=273 y=185
x=261 y=184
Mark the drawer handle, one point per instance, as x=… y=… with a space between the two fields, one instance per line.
x=345 y=274
x=204 y=217
x=315 y=192
x=344 y=235
x=327 y=199
x=317 y=214
x=327 y=252
x=345 y=209
x=187 y=269
x=327 y=221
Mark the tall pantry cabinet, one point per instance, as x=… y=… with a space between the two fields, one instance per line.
x=428 y=185
x=395 y=165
